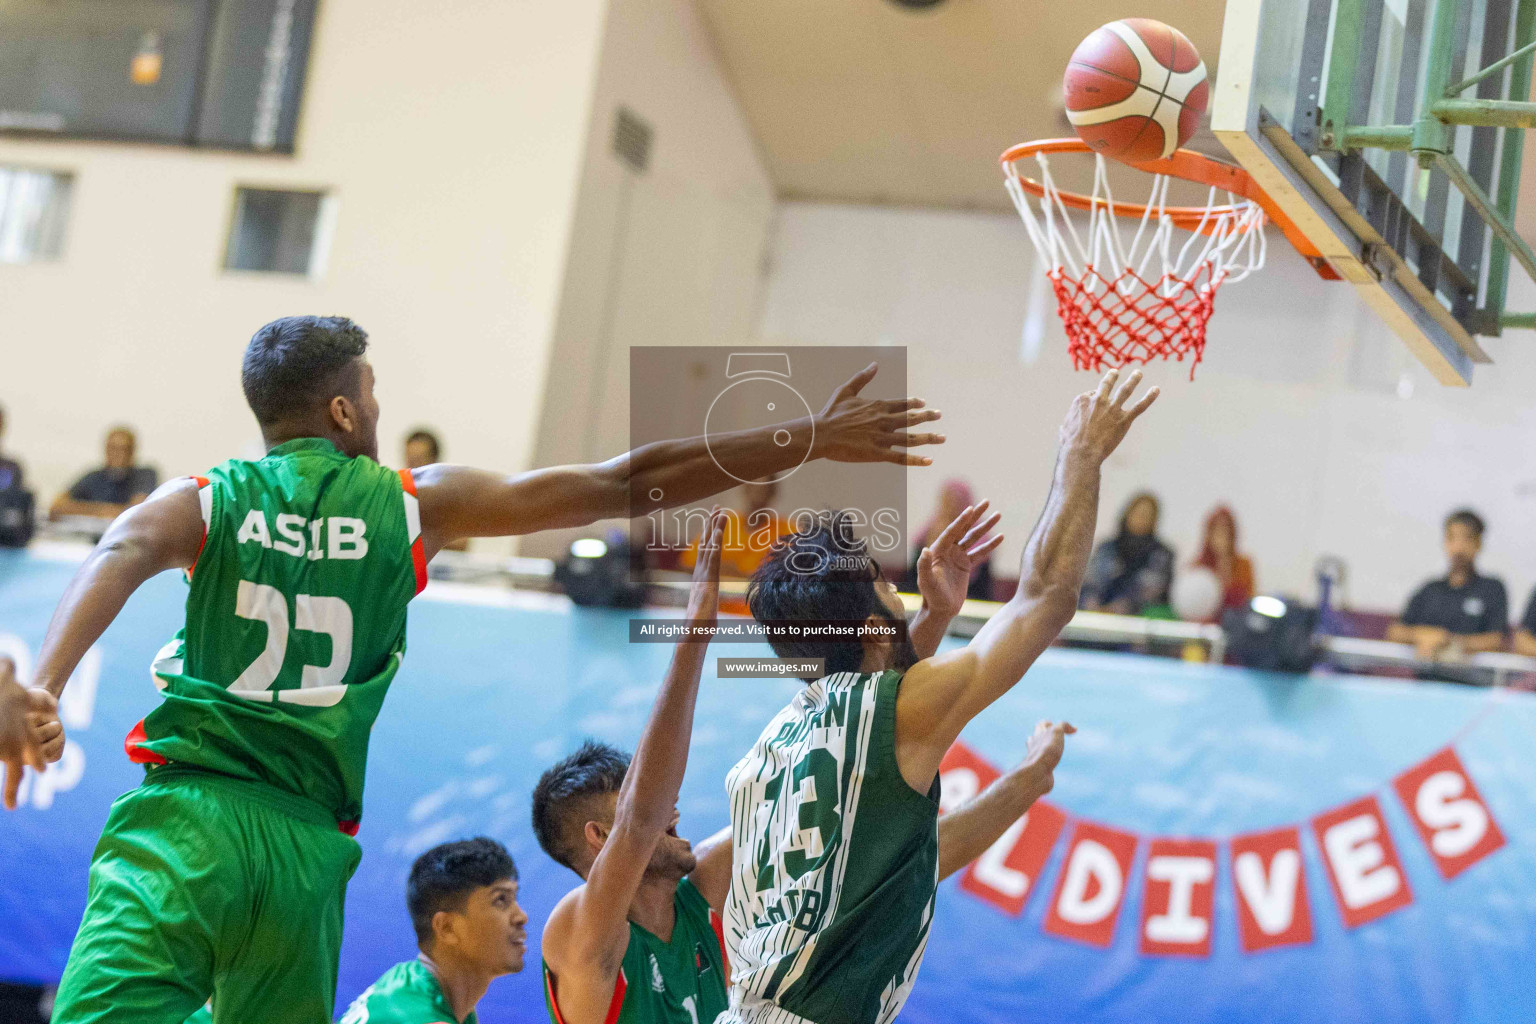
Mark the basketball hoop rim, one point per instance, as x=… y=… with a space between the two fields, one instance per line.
x=1190 y=166
x=1185 y=164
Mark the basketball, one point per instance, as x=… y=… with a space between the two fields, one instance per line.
x=1135 y=90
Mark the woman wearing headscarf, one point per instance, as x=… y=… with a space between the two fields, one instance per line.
x=1218 y=553
x=1132 y=571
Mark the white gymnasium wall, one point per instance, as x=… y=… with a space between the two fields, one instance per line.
x=451 y=136
x=1306 y=415
x=671 y=255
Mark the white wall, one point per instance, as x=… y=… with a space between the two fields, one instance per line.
x=1296 y=417
x=669 y=256
x=451 y=136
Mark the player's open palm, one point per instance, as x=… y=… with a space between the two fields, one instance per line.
x=30 y=732
x=945 y=565
x=704 y=598
x=854 y=429
x=1099 y=419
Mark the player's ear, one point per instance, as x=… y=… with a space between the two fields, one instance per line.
x=444 y=927
x=877 y=648
x=596 y=834
x=343 y=414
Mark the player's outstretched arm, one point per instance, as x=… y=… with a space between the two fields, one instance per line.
x=458 y=502
x=164 y=532
x=588 y=931
x=944 y=573
x=940 y=695
x=967 y=831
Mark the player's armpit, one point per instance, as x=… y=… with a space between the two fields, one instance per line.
x=940 y=695
x=586 y=965
x=712 y=873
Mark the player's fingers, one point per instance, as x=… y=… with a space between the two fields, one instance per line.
x=1126 y=389
x=908 y=439
x=44 y=732
x=1143 y=403
x=856 y=383
x=7 y=669
x=982 y=550
x=952 y=529
x=897 y=405
x=12 y=781
x=982 y=528
x=906 y=458
x=1105 y=383
x=897 y=420
x=1067 y=728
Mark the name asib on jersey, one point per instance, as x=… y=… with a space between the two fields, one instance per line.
x=334 y=537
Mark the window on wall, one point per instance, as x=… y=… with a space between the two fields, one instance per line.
x=278 y=232
x=34 y=207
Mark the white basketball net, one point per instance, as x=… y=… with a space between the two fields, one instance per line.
x=1128 y=301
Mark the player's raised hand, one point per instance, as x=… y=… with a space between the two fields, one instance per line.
x=704 y=599
x=944 y=567
x=29 y=729
x=1045 y=749
x=854 y=429
x=1099 y=419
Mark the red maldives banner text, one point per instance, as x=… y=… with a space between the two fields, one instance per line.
x=1265 y=869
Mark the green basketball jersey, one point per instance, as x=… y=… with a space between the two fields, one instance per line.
x=408 y=993
x=677 y=982
x=295 y=623
x=834 y=861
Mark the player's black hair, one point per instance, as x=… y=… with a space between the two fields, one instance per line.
x=444 y=876
x=423 y=434
x=1466 y=517
x=295 y=364
x=818 y=573
x=562 y=801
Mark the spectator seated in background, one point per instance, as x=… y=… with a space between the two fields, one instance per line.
x=1131 y=573
x=954 y=497
x=1525 y=633
x=10 y=469
x=422 y=448
x=1219 y=554
x=15 y=500
x=104 y=493
x=1463 y=613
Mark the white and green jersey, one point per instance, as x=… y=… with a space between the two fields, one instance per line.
x=835 y=862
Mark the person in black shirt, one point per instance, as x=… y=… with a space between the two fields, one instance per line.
x=105 y=492
x=16 y=512
x=10 y=469
x=1131 y=572
x=1525 y=632
x=1463 y=613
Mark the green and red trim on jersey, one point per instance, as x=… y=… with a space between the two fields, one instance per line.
x=205 y=502
x=620 y=986
x=413 y=528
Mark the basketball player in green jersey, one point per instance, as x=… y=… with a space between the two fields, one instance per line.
x=462 y=897
x=640 y=941
x=833 y=811
x=224 y=873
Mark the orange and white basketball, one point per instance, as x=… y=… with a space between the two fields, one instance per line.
x=1135 y=90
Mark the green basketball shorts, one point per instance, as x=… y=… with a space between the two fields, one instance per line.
x=206 y=885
